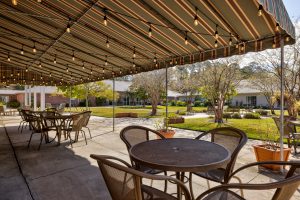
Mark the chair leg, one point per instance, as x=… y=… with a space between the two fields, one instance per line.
x=42 y=136
x=240 y=181
x=20 y=125
x=166 y=182
x=208 y=185
x=191 y=185
x=89 y=132
x=29 y=140
x=84 y=136
x=69 y=135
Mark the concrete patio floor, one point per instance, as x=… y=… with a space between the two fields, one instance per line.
x=62 y=172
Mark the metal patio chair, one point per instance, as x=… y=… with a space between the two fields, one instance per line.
x=75 y=124
x=87 y=116
x=124 y=182
x=132 y=135
x=289 y=130
x=37 y=126
x=285 y=188
x=232 y=139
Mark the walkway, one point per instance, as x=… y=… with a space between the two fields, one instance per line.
x=61 y=172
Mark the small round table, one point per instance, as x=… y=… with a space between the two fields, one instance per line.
x=180 y=155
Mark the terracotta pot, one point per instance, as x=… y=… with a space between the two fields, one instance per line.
x=264 y=154
x=166 y=134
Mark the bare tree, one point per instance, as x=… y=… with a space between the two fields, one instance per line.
x=154 y=85
x=184 y=81
x=218 y=81
x=270 y=61
x=266 y=83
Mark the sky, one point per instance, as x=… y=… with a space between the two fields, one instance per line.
x=293 y=8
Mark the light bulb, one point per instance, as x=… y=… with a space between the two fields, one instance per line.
x=274 y=45
x=216 y=44
x=67 y=69
x=39 y=1
x=8 y=58
x=68 y=29
x=287 y=38
x=106 y=63
x=14 y=2
x=185 y=41
x=155 y=59
x=242 y=47
x=230 y=41
x=150 y=31
x=133 y=65
x=107 y=43
x=73 y=56
x=40 y=65
x=105 y=20
x=22 y=50
x=26 y=70
x=216 y=34
x=83 y=65
x=237 y=45
x=196 y=20
x=259 y=10
x=34 y=49
x=277 y=27
x=50 y=74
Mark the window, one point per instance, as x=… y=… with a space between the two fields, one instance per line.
x=251 y=100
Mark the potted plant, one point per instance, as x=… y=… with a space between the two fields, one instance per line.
x=270 y=151
x=162 y=126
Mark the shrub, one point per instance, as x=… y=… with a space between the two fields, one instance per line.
x=182 y=113
x=13 y=104
x=172 y=103
x=180 y=103
x=252 y=116
x=262 y=112
x=227 y=115
x=236 y=116
x=197 y=103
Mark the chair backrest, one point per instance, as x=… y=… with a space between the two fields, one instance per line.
x=132 y=135
x=87 y=115
x=285 y=188
x=36 y=123
x=287 y=127
x=232 y=139
x=2 y=109
x=48 y=105
x=21 y=114
x=77 y=122
x=124 y=182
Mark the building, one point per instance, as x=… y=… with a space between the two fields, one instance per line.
x=248 y=96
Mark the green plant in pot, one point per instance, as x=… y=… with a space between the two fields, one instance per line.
x=162 y=126
x=269 y=150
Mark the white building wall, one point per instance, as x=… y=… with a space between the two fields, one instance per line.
x=242 y=100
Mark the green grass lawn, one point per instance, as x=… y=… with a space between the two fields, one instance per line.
x=254 y=128
x=142 y=112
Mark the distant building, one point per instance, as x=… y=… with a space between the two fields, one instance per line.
x=247 y=96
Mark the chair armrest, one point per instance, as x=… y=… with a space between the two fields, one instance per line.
x=263 y=186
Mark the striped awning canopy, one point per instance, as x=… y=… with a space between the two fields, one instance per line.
x=64 y=42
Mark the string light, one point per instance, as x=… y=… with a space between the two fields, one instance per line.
x=8 y=57
x=40 y=64
x=54 y=61
x=14 y=2
x=133 y=64
x=216 y=43
x=274 y=43
x=155 y=59
x=185 y=39
x=105 y=19
x=237 y=45
x=106 y=61
x=83 y=65
x=259 y=10
x=230 y=41
x=242 y=47
x=277 y=27
x=22 y=50
x=216 y=32
x=103 y=70
x=39 y=1
x=73 y=56
x=196 y=18
x=34 y=49
x=150 y=31
x=67 y=70
x=107 y=42
x=68 y=28
x=26 y=70
x=50 y=74
x=287 y=38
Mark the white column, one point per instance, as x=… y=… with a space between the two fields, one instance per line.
x=29 y=93
x=26 y=95
x=34 y=100
x=42 y=97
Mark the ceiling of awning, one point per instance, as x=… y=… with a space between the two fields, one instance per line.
x=43 y=25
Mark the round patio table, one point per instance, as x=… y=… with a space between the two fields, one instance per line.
x=180 y=155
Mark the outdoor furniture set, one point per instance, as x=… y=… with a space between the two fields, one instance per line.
x=44 y=121
x=211 y=155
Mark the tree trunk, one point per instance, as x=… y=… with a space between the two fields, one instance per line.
x=219 y=112
x=154 y=109
x=291 y=107
x=144 y=104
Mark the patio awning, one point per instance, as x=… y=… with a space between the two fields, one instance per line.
x=73 y=44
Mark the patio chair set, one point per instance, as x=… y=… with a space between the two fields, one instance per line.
x=42 y=122
x=211 y=155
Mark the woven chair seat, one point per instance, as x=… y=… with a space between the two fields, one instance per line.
x=214 y=175
x=223 y=195
x=155 y=194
